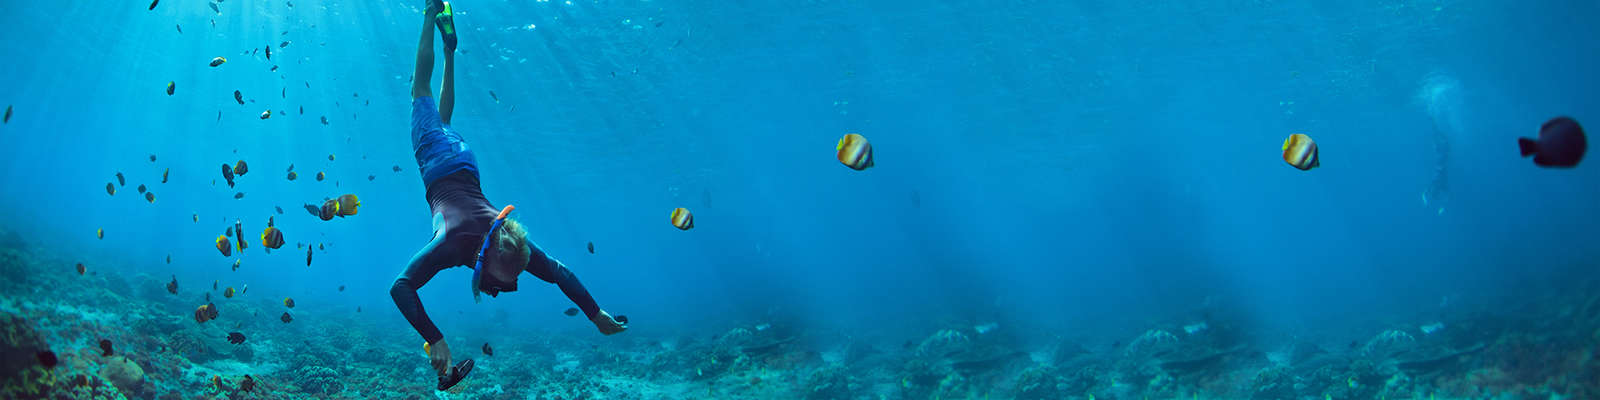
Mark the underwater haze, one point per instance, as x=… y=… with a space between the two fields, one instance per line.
x=1077 y=199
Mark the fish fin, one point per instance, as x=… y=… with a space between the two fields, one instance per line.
x=1528 y=146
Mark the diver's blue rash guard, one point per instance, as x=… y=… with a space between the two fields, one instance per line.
x=458 y=202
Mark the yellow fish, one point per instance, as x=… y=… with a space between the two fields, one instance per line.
x=855 y=152
x=288 y=302
x=1301 y=152
x=100 y=233
x=682 y=219
x=347 y=205
x=218 y=61
x=272 y=238
x=228 y=293
x=224 y=246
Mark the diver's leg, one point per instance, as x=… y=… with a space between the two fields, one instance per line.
x=447 y=93
x=424 y=70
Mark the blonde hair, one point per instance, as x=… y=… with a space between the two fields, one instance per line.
x=511 y=245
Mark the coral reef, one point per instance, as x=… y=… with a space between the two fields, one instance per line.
x=162 y=353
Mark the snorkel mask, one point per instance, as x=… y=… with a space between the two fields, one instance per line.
x=477 y=266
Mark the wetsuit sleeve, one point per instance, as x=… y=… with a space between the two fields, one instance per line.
x=551 y=270
x=427 y=262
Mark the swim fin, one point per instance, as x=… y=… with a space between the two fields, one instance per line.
x=445 y=20
x=457 y=373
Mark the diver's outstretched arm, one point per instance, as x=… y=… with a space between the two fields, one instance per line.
x=423 y=266
x=548 y=269
x=424 y=72
x=447 y=93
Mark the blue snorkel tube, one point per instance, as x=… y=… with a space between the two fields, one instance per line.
x=477 y=266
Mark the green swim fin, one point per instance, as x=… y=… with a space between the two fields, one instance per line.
x=445 y=20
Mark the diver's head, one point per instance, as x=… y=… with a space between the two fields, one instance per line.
x=506 y=258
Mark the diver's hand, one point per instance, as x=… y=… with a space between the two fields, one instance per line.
x=439 y=356
x=607 y=325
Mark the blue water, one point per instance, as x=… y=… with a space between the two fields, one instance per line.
x=1067 y=169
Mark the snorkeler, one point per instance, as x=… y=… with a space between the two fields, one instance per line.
x=467 y=230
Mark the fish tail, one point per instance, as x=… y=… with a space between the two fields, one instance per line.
x=1528 y=146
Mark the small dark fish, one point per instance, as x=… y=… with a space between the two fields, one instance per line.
x=208 y=297
x=80 y=268
x=172 y=87
x=235 y=337
x=169 y=259
x=111 y=189
x=120 y=181
x=488 y=351
x=308 y=84
x=279 y=209
x=397 y=168
x=291 y=5
x=238 y=227
x=284 y=44
x=164 y=173
x=150 y=197
x=320 y=246
x=141 y=189
x=230 y=232
x=302 y=110
x=308 y=257
x=47 y=358
x=496 y=97
x=247 y=384
x=571 y=311
x=269 y=221
x=286 y=317
x=219 y=115
x=8 y=114
x=358 y=308
x=214 y=284
x=239 y=97
x=180 y=29
x=324 y=120
x=214 y=8
x=341 y=288
x=238 y=195
x=227 y=173
x=240 y=168
x=153 y=4
x=269 y=51
x=371 y=177
x=284 y=93
x=172 y=287
x=314 y=210
x=105 y=348
x=591 y=247
x=1561 y=144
